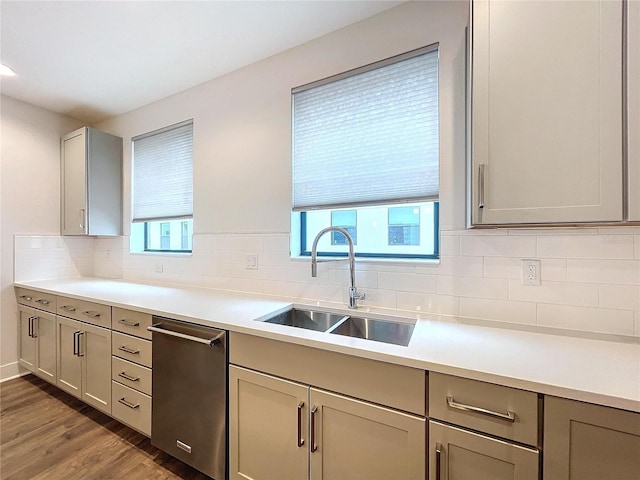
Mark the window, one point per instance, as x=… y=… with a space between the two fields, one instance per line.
x=404 y=225
x=346 y=219
x=366 y=157
x=163 y=190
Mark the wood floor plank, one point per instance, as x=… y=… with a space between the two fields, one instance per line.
x=47 y=434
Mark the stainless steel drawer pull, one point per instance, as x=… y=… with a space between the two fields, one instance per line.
x=128 y=377
x=300 y=438
x=314 y=445
x=92 y=314
x=183 y=446
x=509 y=416
x=207 y=341
x=126 y=349
x=438 y=460
x=481 y=185
x=68 y=308
x=26 y=297
x=126 y=403
x=43 y=301
x=128 y=323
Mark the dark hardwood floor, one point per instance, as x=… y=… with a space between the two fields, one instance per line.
x=47 y=434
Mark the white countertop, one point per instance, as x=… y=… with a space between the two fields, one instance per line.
x=590 y=370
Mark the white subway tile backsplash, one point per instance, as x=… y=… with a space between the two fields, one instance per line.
x=590 y=277
x=624 y=297
x=621 y=272
x=501 y=310
x=601 y=320
x=563 y=293
x=586 y=246
x=407 y=282
x=429 y=303
x=498 y=246
x=496 y=288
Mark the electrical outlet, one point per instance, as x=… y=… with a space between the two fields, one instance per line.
x=251 y=261
x=530 y=271
x=158 y=268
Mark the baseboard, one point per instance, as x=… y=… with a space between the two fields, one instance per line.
x=10 y=371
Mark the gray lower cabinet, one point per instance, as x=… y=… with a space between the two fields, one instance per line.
x=583 y=441
x=458 y=454
x=38 y=342
x=84 y=362
x=285 y=430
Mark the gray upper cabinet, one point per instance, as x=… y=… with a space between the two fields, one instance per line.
x=548 y=112
x=633 y=112
x=91 y=185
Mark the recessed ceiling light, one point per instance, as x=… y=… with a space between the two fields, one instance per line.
x=6 y=70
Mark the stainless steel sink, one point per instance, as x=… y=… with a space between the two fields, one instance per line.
x=309 y=319
x=386 y=331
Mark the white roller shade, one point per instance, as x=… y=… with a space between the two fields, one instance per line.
x=369 y=136
x=163 y=174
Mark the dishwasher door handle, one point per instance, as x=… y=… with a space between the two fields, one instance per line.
x=210 y=341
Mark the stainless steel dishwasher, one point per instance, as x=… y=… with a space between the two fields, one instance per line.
x=189 y=405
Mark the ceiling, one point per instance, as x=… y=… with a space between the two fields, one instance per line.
x=93 y=60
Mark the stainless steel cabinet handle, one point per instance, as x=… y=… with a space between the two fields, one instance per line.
x=481 y=186
x=438 y=460
x=34 y=332
x=509 y=416
x=314 y=445
x=80 y=352
x=26 y=297
x=300 y=439
x=124 y=348
x=92 y=314
x=68 y=308
x=81 y=218
x=132 y=406
x=30 y=326
x=76 y=347
x=210 y=341
x=128 y=323
x=43 y=301
x=128 y=377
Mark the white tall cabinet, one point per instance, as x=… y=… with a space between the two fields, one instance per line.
x=547 y=112
x=91 y=183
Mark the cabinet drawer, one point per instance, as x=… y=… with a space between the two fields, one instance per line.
x=43 y=301
x=131 y=322
x=130 y=348
x=131 y=408
x=131 y=374
x=94 y=313
x=484 y=407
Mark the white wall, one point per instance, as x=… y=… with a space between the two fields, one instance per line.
x=590 y=276
x=29 y=199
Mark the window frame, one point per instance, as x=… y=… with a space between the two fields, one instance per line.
x=156 y=250
x=398 y=256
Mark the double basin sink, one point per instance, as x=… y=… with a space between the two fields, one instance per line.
x=387 y=331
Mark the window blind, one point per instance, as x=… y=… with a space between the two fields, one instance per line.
x=163 y=174
x=369 y=136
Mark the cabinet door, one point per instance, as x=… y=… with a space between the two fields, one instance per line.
x=69 y=363
x=633 y=108
x=590 y=442
x=267 y=427
x=95 y=351
x=359 y=440
x=45 y=331
x=457 y=454
x=74 y=181
x=546 y=112
x=27 y=342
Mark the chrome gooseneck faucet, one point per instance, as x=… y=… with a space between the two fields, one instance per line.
x=354 y=295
